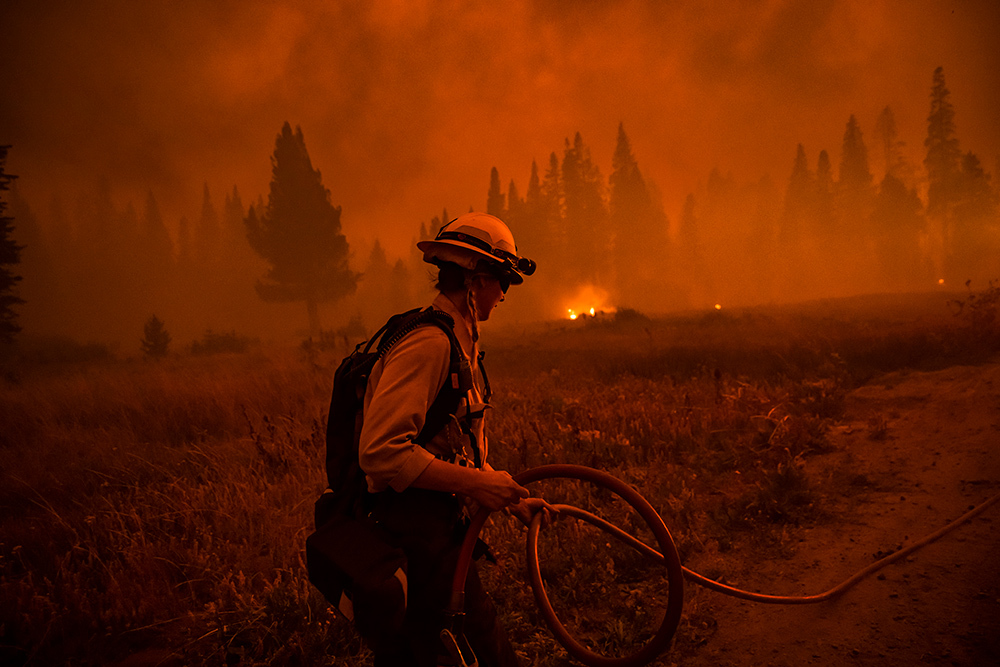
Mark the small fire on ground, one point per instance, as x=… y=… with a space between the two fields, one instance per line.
x=589 y=301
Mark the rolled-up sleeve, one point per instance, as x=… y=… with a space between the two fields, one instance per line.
x=400 y=391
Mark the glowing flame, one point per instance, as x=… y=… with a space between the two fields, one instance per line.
x=718 y=306
x=940 y=281
x=589 y=301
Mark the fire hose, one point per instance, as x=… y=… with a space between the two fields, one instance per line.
x=454 y=638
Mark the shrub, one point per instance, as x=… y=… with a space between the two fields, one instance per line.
x=155 y=340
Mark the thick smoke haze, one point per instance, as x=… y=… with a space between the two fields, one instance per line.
x=406 y=106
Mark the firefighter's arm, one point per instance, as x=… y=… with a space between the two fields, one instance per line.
x=399 y=394
x=492 y=489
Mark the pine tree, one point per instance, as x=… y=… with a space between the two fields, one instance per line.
x=892 y=148
x=533 y=220
x=10 y=256
x=495 y=200
x=974 y=250
x=374 y=288
x=897 y=222
x=799 y=199
x=640 y=232
x=585 y=213
x=298 y=233
x=155 y=340
x=854 y=171
x=855 y=193
x=943 y=160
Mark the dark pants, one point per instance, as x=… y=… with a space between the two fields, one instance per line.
x=427 y=525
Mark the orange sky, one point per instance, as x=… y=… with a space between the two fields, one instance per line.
x=406 y=105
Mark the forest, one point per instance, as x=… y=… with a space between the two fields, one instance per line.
x=95 y=269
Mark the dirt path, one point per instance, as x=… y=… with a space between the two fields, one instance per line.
x=940 y=455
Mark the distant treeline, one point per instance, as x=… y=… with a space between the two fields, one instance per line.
x=824 y=233
x=96 y=270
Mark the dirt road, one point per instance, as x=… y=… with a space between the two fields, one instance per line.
x=915 y=451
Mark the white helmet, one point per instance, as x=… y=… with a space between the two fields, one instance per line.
x=473 y=237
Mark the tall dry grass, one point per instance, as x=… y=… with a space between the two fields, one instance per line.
x=159 y=510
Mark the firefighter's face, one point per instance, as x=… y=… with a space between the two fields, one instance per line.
x=488 y=292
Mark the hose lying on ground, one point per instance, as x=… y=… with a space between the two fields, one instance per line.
x=667 y=555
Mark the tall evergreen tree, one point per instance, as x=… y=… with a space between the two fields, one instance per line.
x=374 y=288
x=515 y=205
x=855 y=173
x=897 y=222
x=533 y=227
x=158 y=251
x=10 y=256
x=495 y=200
x=973 y=250
x=298 y=233
x=588 y=236
x=208 y=235
x=639 y=228
x=854 y=187
x=893 y=160
x=799 y=198
x=943 y=159
x=797 y=216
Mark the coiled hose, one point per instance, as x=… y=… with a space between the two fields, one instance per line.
x=667 y=554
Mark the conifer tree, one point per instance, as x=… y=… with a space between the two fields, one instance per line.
x=10 y=256
x=639 y=228
x=892 y=148
x=854 y=188
x=897 y=222
x=854 y=171
x=495 y=200
x=585 y=214
x=208 y=236
x=943 y=160
x=799 y=198
x=155 y=340
x=298 y=233
x=797 y=215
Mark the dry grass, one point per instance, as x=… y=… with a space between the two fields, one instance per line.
x=163 y=507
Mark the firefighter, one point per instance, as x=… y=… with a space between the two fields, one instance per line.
x=423 y=495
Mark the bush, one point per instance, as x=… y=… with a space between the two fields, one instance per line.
x=155 y=340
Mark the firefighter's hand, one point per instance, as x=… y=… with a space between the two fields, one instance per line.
x=497 y=490
x=526 y=510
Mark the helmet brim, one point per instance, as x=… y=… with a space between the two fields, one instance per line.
x=467 y=256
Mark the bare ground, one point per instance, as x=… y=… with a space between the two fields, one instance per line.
x=915 y=451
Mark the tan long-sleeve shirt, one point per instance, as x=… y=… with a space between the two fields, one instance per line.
x=401 y=389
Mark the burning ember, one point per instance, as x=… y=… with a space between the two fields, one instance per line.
x=718 y=306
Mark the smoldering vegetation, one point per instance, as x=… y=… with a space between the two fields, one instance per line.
x=159 y=510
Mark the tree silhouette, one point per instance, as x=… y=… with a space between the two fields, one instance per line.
x=943 y=160
x=10 y=255
x=495 y=200
x=298 y=233
x=640 y=228
x=155 y=340
x=585 y=214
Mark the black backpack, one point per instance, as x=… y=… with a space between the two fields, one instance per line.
x=349 y=557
